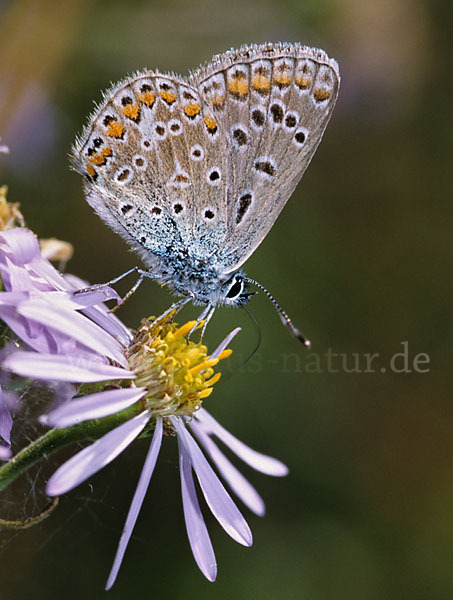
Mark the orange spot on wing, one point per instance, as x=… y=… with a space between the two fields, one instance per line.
x=261 y=83
x=218 y=100
x=131 y=111
x=282 y=79
x=320 y=95
x=238 y=87
x=147 y=98
x=99 y=158
x=210 y=124
x=180 y=178
x=90 y=170
x=303 y=82
x=167 y=96
x=115 y=129
x=192 y=109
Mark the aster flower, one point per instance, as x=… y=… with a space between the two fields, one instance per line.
x=155 y=383
x=29 y=278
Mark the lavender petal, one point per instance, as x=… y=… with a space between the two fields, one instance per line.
x=94 y=406
x=62 y=368
x=216 y=496
x=197 y=532
x=237 y=482
x=260 y=462
x=44 y=269
x=73 y=324
x=224 y=344
x=93 y=458
x=13 y=298
x=137 y=501
x=33 y=334
x=110 y=323
x=22 y=244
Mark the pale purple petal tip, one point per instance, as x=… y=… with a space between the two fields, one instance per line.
x=260 y=462
x=137 y=501
x=96 y=456
x=237 y=482
x=216 y=496
x=225 y=343
x=94 y=406
x=62 y=368
x=198 y=535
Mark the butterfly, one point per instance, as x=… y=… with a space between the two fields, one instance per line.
x=193 y=171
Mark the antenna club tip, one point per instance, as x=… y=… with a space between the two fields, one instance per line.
x=307 y=344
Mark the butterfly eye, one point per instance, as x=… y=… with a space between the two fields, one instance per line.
x=235 y=290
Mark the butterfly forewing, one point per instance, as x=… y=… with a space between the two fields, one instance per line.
x=273 y=102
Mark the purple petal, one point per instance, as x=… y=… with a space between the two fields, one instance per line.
x=224 y=344
x=216 y=496
x=94 y=406
x=6 y=421
x=62 y=368
x=44 y=269
x=197 y=532
x=137 y=501
x=260 y=462
x=93 y=458
x=33 y=334
x=73 y=324
x=13 y=298
x=16 y=277
x=110 y=323
x=238 y=483
x=22 y=244
x=76 y=302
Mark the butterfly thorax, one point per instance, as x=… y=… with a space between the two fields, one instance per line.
x=201 y=279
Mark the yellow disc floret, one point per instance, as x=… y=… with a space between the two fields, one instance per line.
x=177 y=373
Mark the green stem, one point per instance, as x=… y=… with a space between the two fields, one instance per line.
x=55 y=439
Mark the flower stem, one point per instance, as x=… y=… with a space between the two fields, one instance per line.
x=55 y=439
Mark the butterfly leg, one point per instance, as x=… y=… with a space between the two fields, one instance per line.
x=208 y=318
x=203 y=315
x=134 y=288
x=97 y=286
x=176 y=307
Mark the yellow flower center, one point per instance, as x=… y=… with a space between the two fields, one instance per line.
x=176 y=372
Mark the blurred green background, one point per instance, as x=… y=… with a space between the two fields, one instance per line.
x=360 y=258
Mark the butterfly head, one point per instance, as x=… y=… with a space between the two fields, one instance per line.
x=235 y=292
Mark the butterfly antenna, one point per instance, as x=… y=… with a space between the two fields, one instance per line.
x=255 y=349
x=282 y=314
x=258 y=330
